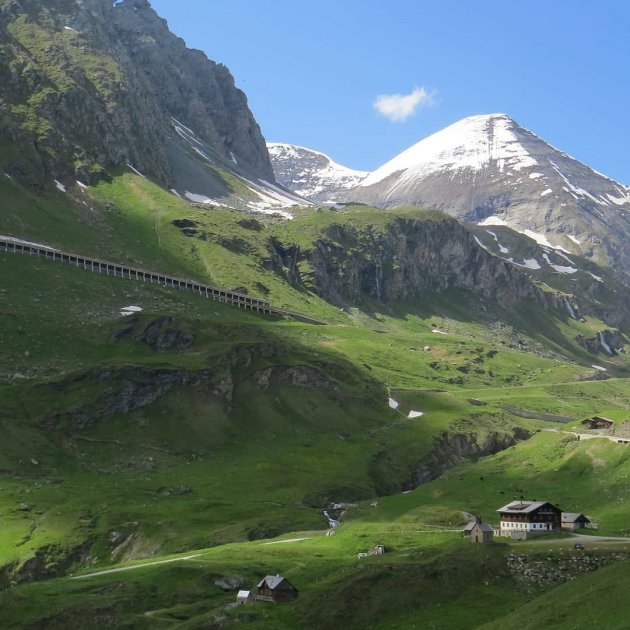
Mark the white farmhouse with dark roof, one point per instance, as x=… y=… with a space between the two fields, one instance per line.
x=529 y=517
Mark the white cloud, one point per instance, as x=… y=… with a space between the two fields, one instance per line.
x=400 y=107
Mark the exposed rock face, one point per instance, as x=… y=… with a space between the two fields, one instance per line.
x=87 y=86
x=405 y=260
x=163 y=333
x=451 y=448
x=127 y=389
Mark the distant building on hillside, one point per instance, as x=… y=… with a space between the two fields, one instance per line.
x=598 y=422
x=479 y=532
x=522 y=518
x=244 y=597
x=573 y=520
x=275 y=588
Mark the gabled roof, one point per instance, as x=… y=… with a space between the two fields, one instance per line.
x=484 y=527
x=522 y=507
x=273 y=581
x=571 y=517
x=244 y=594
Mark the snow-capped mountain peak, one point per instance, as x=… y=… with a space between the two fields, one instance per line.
x=311 y=174
x=472 y=143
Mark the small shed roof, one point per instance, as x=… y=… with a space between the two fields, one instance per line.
x=244 y=594
x=571 y=517
x=484 y=527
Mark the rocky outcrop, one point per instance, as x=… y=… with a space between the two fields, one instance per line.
x=451 y=448
x=125 y=390
x=403 y=260
x=535 y=573
x=108 y=391
x=163 y=333
x=47 y=562
x=301 y=376
x=90 y=85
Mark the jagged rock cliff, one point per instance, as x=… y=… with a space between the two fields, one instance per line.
x=90 y=85
x=402 y=260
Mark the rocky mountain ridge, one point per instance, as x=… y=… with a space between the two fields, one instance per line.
x=311 y=174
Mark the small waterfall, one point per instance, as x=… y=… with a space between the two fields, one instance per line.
x=603 y=344
x=569 y=308
x=332 y=523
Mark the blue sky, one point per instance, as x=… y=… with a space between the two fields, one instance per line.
x=313 y=70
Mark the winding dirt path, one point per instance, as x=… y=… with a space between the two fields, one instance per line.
x=134 y=567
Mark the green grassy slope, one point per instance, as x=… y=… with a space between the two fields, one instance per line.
x=598 y=600
x=117 y=450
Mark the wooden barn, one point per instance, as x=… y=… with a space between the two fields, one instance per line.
x=529 y=517
x=598 y=422
x=573 y=520
x=275 y=588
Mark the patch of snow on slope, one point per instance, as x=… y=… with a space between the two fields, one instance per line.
x=492 y=220
x=60 y=186
x=620 y=201
x=559 y=268
x=8 y=176
x=480 y=243
x=528 y=263
x=81 y=185
x=439 y=332
x=574 y=239
x=535 y=175
x=598 y=278
x=471 y=144
x=546 y=192
x=576 y=190
x=198 y=198
x=394 y=404
x=541 y=239
x=175 y=192
x=415 y=414
x=503 y=250
x=559 y=253
x=600 y=368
